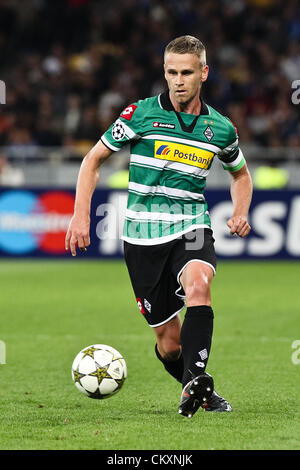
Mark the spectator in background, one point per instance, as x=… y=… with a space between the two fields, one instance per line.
x=61 y=59
x=110 y=102
x=9 y=175
x=88 y=127
x=72 y=114
x=290 y=64
x=20 y=145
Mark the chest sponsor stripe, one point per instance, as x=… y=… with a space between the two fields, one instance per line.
x=183 y=153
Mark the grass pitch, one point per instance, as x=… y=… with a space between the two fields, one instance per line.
x=50 y=310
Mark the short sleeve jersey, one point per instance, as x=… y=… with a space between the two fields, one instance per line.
x=171 y=154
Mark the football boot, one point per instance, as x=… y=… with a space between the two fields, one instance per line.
x=196 y=393
x=216 y=403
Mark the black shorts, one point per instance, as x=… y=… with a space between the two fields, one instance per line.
x=155 y=270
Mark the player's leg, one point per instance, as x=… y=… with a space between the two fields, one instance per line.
x=152 y=284
x=168 y=347
x=197 y=328
x=193 y=266
x=196 y=336
x=195 y=279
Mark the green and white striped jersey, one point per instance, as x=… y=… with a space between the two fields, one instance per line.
x=171 y=155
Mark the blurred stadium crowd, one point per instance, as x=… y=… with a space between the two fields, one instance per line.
x=70 y=66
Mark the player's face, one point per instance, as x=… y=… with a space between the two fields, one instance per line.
x=184 y=74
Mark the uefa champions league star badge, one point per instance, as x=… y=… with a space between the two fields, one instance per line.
x=118 y=131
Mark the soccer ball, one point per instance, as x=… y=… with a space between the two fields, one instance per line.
x=99 y=371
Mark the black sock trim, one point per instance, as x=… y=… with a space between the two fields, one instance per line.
x=204 y=310
x=157 y=354
x=165 y=361
x=174 y=368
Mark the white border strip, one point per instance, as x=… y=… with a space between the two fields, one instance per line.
x=108 y=144
x=190 y=169
x=142 y=215
x=129 y=132
x=231 y=147
x=150 y=161
x=235 y=162
x=159 y=240
x=168 y=319
x=164 y=190
x=181 y=270
x=141 y=160
x=159 y=102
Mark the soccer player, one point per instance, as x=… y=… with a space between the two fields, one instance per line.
x=168 y=240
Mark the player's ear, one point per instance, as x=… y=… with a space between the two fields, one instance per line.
x=204 y=74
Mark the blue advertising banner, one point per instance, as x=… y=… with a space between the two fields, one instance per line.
x=33 y=223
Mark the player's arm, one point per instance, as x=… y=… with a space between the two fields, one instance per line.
x=241 y=195
x=79 y=228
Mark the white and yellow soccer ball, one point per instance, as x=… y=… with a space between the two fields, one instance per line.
x=99 y=371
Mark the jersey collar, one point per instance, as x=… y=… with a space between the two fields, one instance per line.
x=166 y=104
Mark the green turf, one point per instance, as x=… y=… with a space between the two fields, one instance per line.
x=51 y=310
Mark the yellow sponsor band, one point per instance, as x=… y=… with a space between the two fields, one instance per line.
x=183 y=153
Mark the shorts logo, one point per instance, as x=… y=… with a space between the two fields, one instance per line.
x=118 y=131
x=147 y=305
x=140 y=305
x=128 y=112
x=183 y=153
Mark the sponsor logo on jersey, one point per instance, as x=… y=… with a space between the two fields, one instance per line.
x=163 y=150
x=164 y=125
x=208 y=133
x=183 y=153
x=128 y=112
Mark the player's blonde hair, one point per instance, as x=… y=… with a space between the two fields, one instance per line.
x=187 y=45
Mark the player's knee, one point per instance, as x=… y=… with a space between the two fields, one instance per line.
x=172 y=353
x=198 y=292
x=169 y=349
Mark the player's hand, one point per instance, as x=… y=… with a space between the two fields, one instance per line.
x=78 y=234
x=238 y=224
